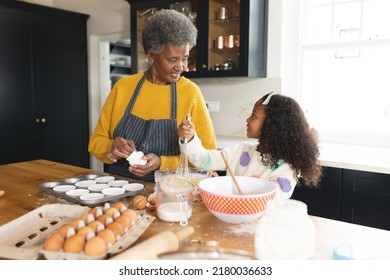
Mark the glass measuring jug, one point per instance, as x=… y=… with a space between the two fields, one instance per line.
x=174 y=200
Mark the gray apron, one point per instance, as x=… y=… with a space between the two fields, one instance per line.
x=150 y=136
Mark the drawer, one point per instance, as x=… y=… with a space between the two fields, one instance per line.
x=330 y=182
x=367 y=185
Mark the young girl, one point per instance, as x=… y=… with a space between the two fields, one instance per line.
x=286 y=152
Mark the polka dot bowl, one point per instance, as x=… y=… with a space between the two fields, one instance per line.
x=219 y=196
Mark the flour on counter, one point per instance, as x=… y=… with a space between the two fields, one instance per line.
x=243 y=228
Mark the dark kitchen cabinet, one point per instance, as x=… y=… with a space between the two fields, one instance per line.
x=232 y=36
x=352 y=196
x=366 y=198
x=43 y=84
x=325 y=199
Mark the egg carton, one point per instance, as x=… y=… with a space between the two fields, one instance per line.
x=49 y=187
x=23 y=238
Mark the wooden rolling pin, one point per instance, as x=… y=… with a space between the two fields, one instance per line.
x=150 y=249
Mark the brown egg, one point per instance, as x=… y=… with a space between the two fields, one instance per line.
x=84 y=231
x=117 y=228
x=103 y=218
x=110 y=211
x=132 y=214
x=107 y=235
x=125 y=221
x=151 y=204
x=96 y=211
x=54 y=242
x=84 y=217
x=120 y=206
x=74 y=244
x=95 y=224
x=152 y=198
x=92 y=211
x=95 y=246
x=139 y=202
x=77 y=223
x=87 y=217
x=65 y=229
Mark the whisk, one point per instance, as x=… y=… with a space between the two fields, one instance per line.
x=182 y=168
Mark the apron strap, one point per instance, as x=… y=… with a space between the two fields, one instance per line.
x=173 y=101
x=135 y=94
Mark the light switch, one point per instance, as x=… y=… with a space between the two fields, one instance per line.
x=213 y=106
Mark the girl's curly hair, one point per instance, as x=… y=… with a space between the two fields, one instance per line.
x=286 y=135
x=168 y=27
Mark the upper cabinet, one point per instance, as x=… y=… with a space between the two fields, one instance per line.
x=232 y=36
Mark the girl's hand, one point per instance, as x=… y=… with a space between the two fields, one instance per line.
x=121 y=148
x=186 y=130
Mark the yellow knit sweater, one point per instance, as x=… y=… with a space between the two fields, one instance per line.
x=153 y=102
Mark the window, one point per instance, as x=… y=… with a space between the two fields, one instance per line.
x=345 y=74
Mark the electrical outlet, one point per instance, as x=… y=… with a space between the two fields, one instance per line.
x=213 y=106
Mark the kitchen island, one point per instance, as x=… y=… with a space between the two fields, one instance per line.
x=21 y=181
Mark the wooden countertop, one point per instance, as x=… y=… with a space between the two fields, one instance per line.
x=21 y=181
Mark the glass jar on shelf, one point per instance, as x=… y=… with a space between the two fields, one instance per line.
x=237 y=41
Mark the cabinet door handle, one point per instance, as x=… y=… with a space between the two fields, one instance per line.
x=204 y=66
x=38 y=120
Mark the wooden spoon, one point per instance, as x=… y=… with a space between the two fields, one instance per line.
x=239 y=191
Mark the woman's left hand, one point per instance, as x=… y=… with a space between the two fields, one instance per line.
x=153 y=163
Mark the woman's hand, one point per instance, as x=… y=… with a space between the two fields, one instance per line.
x=153 y=163
x=121 y=148
x=186 y=130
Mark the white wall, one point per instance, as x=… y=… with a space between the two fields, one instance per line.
x=236 y=95
x=106 y=16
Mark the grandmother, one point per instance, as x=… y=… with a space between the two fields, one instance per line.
x=143 y=110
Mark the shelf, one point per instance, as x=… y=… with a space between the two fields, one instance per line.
x=225 y=21
x=121 y=45
x=224 y=50
x=120 y=58
x=120 y=70
x=120 y=49
x=121 y=66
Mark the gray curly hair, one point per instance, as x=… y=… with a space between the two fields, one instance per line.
x=168 y=27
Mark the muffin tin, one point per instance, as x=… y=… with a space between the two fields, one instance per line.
x=111 y=190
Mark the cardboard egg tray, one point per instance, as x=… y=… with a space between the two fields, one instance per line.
x=23 y=238
x=49 y=188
